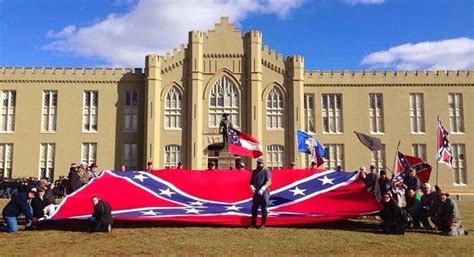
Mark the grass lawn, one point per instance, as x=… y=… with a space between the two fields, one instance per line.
x=354 y=237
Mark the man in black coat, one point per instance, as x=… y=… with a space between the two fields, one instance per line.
x=74 y=180
x=102 y=216
x=18 y=205
x=259 y=184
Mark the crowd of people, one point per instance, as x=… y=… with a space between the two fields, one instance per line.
x=407 y=203
x=410 y=203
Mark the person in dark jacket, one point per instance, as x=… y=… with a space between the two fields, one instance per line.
x=102 y=216
x=393 y=221
x=259 y=184
x=448 y=219
x=429 y=205
x=18 y=205
x=411 y=181
x=38 y=203
x=74 y=180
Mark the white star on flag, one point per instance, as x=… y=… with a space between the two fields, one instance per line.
x=192 y=210
x=297 y=191
x=140 y=177
x=198 y=203
x=233 y=208
x=326 y=180
x=166 y=192
x=150 y=213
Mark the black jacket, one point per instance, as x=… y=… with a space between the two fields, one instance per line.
x=74 y=181
x=18 y=205
x=38 y=204
x=103 y=212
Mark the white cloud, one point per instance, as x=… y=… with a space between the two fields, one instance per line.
x=155 y=26
x=449 y=54
x=354 y=2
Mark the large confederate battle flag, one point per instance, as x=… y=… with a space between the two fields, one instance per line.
x=222 y=197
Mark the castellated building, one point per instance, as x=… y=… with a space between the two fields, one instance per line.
x=170 y=111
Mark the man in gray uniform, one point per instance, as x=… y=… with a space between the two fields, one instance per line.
x=259 y=183
x=448 y=219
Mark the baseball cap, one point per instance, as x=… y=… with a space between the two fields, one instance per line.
x=260 y=160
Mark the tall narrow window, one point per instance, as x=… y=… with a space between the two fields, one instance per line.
x=47 y=154
x=417 y=113
x=459 y=164
x=91 y=102
x=308 y=112
x=172 y=156
x=419 y=150
x=89 y=152
x=48 y=121
x=331 y=107
x=173 y=108
x=130 y=111
x=224 y=98
x=456 y=116
x=129 y=158
x=275 y=108
x=275 y=156
x=378 y=159
x=376 y=113
x=335 y=156
x=6 y=158
x=7 y=121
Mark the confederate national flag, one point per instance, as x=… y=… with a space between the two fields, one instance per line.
x=243 y=144
x=444 y=153
x=404 y=162
x=222 y=197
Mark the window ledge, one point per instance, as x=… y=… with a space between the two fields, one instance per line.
x=418 y=133
x=7 y=132
x=90 y=132
x=173 y=129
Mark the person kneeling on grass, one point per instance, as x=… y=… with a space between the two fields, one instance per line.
x=448 y=220
x=393 y=220
x=18 y=205
x=102 y=216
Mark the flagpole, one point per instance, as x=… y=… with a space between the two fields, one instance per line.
x=437 y=161
x=396 y=154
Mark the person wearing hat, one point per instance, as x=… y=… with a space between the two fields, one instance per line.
x=224 y=125
x=74 y=180
x=448 y=219
x=260 y=180
x=18 y=205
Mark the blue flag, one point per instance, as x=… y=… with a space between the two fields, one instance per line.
x=309 y=145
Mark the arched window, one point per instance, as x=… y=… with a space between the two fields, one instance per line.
x=172 y=156
x=224 y=98
x=275 y=108
x=173 y=108
x=275 y=156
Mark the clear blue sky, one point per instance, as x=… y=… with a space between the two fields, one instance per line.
x=331 y=34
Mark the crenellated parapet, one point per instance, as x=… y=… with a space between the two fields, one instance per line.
x=347 y=77
x=273 y=60
x=73 y=75
x=173 y=60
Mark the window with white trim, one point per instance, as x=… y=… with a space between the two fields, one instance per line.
x=417 y=113
x=90 y=105
x=378 y=159
x=335 y=156
x=456 y=116
x=308 y=112
x=48 y=121
x=459 y=164
x=419 y=150
x=376 y=113
x=6 y=160
x=47 y=154
x=275 y=108
x=172 y=156
x=89 y=153
x=331 y=108
x=224 y=98
x=129 y=157
x=173 y=108
x=275 y=156
x=7 y=121
x=130 y=112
